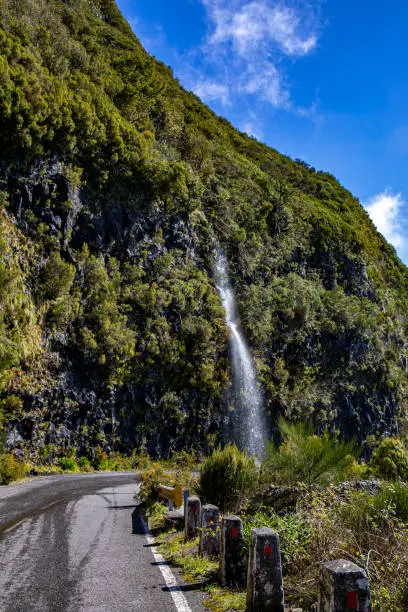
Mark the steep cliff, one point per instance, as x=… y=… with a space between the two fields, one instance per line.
x=115 y=184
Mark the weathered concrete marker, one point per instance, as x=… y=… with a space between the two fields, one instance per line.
x=343 y=587
x=210 y=531
x=232 y=558
x=265 y=586
x=192 y=517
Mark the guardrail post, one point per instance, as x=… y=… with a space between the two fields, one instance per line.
x=232 y=558
x=343 y=587
x=210 y=531
x=174 y=495
x=186 y=495
x=192 y=517
x=265 y=586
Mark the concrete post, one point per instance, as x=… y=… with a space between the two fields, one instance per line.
x=192 y=517
x=265 y=586
x=210 y=531
x=343 y=587
x=232 y=559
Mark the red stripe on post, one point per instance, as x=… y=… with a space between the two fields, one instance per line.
x=352 y=601
x=234 y=533
x=268 y=551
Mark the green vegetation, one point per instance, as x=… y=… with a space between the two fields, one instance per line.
x=390 y=459
x=227 y=478
x=183 y=554
x=306 y=457
x=224 y=600
x=294 y=534
x=68 y=464
x=115 y=183
x=10 y=469
x=365 y=522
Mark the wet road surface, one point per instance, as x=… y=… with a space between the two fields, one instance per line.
x=78 y=543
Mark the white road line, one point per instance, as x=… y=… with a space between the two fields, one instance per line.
x=177 y=594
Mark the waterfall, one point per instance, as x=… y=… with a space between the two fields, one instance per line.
x=248 y=428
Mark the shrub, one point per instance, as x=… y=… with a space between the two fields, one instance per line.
x=116 y=462
x=10 y=469
x=140 y=459
x=362 y=528
x=390 y=459
x=183 y=459
x=306 y=457
x=396 y=498
x=227 y=478
x=84 y=464
x=99 y=458
x=68 y=464
x=294 y=534
x=364 y=515
x=151 y=478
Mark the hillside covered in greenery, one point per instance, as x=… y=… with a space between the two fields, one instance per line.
x=116 y=184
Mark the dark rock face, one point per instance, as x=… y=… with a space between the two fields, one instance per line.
x=115 y=184
x=74 y=409
x=280 y=498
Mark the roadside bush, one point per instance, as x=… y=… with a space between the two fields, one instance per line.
x=116 y=462
x=306 y=457
x=10 y=469
x=390 y=459
x=396 y=495
x=366 y=516
x=390 y=503
x=156 y=513
x=227 y=478
x=68 y=464
x=363 y=528
x=99 y=458
x=140 y=459
x=294 y=534
x=183 y=459
x=150 y=479
x=84 y=464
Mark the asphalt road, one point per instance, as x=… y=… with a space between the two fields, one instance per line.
x=78 y=543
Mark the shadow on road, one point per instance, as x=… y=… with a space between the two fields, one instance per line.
x=160 y=563
x=195 y=586
x=138 y=524
x=121 y=507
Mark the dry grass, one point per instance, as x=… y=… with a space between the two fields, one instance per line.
x=360 y=530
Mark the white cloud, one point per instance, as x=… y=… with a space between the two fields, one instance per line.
x=386 y=211
x=265 y=81
x=255 y=23
x=249 y=40
x=209 y=90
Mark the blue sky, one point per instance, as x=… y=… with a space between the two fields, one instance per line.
x=324 y=81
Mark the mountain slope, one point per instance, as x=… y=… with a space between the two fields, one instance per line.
x=115 y=185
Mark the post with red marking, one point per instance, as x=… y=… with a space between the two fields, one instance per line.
x=192 y=516
x=343 y=587
x=265 y=585
x=232 y=558
x=210 y=531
